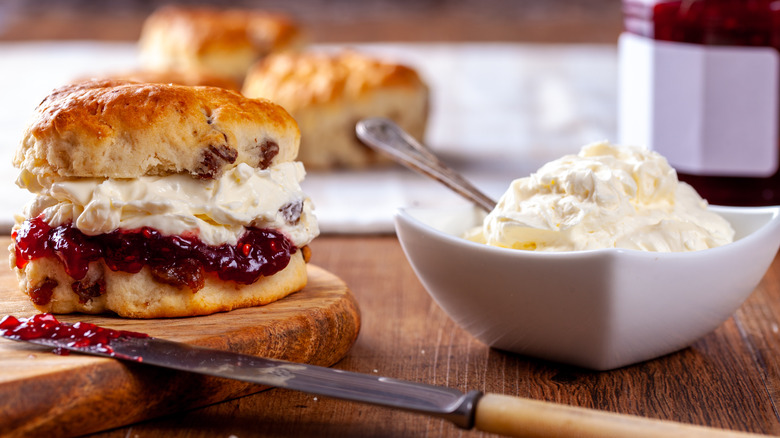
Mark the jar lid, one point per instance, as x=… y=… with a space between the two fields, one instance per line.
x=711 y=22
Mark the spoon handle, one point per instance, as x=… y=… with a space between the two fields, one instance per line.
x=384 y=135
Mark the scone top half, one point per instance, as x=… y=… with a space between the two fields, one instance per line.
x=191 y=184
x=122 y=129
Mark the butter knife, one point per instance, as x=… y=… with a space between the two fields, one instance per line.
x=495 y=413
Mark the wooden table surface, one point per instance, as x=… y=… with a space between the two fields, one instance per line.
x=728 y=379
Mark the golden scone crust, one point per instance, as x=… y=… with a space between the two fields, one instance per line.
x=307 y=78
x=219 y=41
x=141 y=296
x=122 y=129
x=327 y=93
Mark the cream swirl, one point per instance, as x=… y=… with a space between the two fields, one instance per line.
x=604 y=197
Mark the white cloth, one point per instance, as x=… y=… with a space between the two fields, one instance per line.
x=498 y=111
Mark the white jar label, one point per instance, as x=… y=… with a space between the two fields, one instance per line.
x=710 y=110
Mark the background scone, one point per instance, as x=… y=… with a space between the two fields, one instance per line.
x=174 y=76
x=222 y=42
x=328 y=94
x=158 y=200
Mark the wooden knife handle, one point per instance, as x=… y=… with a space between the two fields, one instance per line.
x=513 y=416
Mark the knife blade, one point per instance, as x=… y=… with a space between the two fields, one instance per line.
x=493 y=413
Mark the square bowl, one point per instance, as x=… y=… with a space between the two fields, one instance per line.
x=598 y=309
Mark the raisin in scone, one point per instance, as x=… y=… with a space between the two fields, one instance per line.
x=156 y=200
x=222 y=42
x=328 y=94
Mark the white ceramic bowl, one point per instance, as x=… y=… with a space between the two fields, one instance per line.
x=598 y=309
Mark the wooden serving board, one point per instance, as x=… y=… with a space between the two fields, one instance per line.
x=44 y=394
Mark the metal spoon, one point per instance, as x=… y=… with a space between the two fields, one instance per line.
x=384 y=135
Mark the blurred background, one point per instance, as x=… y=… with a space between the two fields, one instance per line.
x=513 y=83
x=548 y=21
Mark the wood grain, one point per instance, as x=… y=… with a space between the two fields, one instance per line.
x=727 y=379
x=43 y=394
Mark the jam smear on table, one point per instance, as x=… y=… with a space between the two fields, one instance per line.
x=177 y=260
x=753 y=23
x=79 y=335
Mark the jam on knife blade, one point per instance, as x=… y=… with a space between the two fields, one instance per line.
x=78 y=335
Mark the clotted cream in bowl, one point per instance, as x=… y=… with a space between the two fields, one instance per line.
x=614 y=264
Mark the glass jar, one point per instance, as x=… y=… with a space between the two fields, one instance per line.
x=699 y=84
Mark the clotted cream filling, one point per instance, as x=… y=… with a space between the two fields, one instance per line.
x=217 y=210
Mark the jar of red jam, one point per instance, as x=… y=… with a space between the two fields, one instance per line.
x=698 y=82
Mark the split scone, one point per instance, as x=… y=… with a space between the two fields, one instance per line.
x=221 y=42
x=158 y=200
x=328 y=94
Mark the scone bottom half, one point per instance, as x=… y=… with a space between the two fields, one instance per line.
x=142 y=272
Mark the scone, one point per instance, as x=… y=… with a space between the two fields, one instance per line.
x=328 y=94
x=158 y=200
x=221 y=42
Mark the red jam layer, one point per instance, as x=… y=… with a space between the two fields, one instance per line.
x=177 y=260
x=78 y=335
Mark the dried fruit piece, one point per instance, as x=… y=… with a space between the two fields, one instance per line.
x=214 y=157
x=268 y=150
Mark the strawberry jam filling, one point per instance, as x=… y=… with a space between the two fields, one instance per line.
x=78 y=335
x=179 y=260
